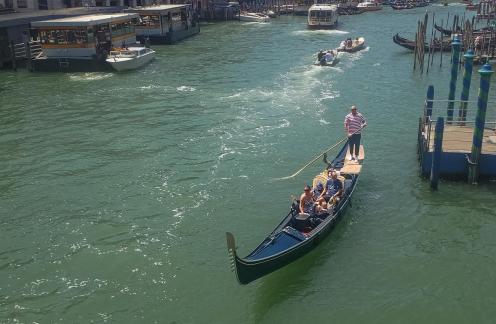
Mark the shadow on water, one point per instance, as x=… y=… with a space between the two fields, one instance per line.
x=291 y=280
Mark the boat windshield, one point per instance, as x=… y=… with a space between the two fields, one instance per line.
x=124 y=53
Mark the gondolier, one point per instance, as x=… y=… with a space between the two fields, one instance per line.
x=353 y=123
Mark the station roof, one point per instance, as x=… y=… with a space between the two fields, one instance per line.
x=86 y=20
x=26 y=17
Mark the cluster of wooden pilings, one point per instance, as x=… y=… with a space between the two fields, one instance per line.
x=486 y=10
x=444 y=156
x=472 y=35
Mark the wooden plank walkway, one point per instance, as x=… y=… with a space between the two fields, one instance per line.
x=459 y=139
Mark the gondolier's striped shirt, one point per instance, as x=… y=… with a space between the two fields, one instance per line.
x=354 y=123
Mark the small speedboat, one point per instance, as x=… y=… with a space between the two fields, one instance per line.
x=326 y=60
x=355 y=45
x=369 y=6
x=130 y=58
x=253 y=17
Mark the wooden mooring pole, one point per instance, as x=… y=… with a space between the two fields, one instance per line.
x=13 y=56
x=480 y=121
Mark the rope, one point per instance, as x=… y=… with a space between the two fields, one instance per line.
x=318 y=156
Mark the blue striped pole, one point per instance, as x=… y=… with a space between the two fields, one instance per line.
x=428 y=102
x=480 y=120
x=467 y=77
x=455 y=45
x=437 y=153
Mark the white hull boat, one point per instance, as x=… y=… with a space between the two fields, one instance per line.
x=130 y=58
x=253 y=17
x=321 y=16
x=369 y=6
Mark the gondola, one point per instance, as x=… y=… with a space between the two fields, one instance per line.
x=409 y=44
x=357 y=45
x=458 y=30
x=297 y=234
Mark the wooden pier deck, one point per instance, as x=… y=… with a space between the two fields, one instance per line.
x=458 y=139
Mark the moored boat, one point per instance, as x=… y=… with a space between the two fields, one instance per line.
x=410 y=44
x=81 y=43
x=130 y=58
x=165 y=24
x=297 y=234
x=253 y=17
x=369 y=6
x=352 y=46
x=321 y=16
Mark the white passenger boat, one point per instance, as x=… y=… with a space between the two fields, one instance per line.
x=130 y=58
x=253 y=17
x=369 y=6
x=81 y=43
x=322 y=16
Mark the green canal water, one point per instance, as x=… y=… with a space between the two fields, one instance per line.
x=116 y=189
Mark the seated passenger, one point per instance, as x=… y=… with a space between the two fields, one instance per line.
x=317 y=191
x=329 y=56
x=332 y=190
x=308 y=203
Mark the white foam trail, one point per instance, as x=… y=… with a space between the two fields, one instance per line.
x=319 y=32
x=324 y=122
x=186 y=88
x=91 y=76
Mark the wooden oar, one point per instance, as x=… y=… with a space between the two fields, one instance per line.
x=318 y=157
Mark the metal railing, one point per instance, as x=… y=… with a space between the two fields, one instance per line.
x=465 y=141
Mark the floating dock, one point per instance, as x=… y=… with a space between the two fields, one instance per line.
x=462 y=144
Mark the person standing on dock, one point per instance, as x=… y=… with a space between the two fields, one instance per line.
x=353 y=123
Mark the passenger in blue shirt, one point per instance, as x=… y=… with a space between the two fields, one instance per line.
x=332 y=190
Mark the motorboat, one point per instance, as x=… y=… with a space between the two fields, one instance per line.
x=130 y=58
x=271 y=13
x=322 y=16
x=369 y=6
x=253 y=17
x=352 y=46
x=324 y=59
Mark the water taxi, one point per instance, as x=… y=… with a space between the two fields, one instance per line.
x=253 y=17
x=82 y=43
x=369 y=6
x=165 y=24
x=322 y=16
x=130 y=58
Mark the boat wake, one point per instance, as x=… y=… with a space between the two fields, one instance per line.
x=186 y=89
x=319 y=32
x=90 y=76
